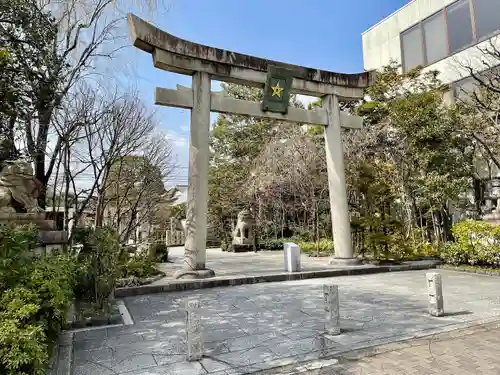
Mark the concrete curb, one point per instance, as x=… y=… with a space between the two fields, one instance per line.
x=181 y=285
x=468 y=270
x=63 y=362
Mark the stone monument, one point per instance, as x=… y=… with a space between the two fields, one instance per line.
x=18 y=202
x=244 y=233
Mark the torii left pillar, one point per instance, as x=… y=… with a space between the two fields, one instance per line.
x=195 y=253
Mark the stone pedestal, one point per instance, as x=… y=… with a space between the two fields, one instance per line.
x=291 y=256
x=50 y=239
x=435 y=292
x=332 y=307
x=492 y=218
x=194 y=274
x=38 y=219
x=342 y=262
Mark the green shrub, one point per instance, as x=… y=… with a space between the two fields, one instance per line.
x=80 y=235
x=321 y=247
x=139 y=266
x=35 y=294
x=476 y=243
x=303 y=235
x=273 y=243
x=426 y=249
x=32 y=315
x=23 y=340
x=159 y=251
x=224 y=245
x=452 y=253
x=53 y=279
x=100 y=266
x=16 y=253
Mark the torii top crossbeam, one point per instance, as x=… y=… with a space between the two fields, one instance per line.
x=185 y=57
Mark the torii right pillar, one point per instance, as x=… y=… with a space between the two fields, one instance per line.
x=339 y=208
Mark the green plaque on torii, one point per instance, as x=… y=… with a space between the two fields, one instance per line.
x=277 y=90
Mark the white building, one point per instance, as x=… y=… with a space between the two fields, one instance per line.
x=442 y=35
x=439 y=35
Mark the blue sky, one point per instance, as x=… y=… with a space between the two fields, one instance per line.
x=323 y=34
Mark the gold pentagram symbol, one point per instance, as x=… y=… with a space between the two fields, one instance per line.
x=277 y=90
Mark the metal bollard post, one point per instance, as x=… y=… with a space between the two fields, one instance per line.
x=435 y=292
x=194 y=337
x=332 y=315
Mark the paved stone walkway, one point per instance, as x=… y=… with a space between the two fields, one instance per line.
x=247 y=263
x=249 y=328
x=472 y=350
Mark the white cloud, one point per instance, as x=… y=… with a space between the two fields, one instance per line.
x=176 y=139
x=306 y=100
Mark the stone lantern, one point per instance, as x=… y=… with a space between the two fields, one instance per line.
x=244 y=233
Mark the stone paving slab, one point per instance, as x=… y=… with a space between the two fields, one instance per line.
x=252 y=268
x=247 y=263
x=250 y=328
x=472 y=350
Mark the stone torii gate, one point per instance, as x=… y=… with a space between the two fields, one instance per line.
x=277 y=79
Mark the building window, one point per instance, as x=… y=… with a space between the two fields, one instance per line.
x=487 y=17
x=459 y=25
x=412 y=48
x=452 y=29
x=436 y=44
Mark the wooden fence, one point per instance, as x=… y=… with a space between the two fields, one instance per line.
x=175 y=237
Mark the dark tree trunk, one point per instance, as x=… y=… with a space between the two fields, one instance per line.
x=45 y=114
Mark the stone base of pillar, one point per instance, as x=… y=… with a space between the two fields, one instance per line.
x=341 y=262
x=194 y=274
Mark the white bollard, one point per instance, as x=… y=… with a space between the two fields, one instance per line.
x=292 y=257
x=435 y=292
x=332 y=307
x=194 y=337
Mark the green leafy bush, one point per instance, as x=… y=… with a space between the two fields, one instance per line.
x=159 y=251
x=321 y=247
x=100 y=266
x=303 y=235
x=273 y=243
x=35 y=294
x=53 y=279
x=16 y=253
x=139 y=266
x=452 y=253
x=23 y=341
x=476 y=243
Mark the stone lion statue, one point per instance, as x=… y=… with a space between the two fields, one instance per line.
x=18 y=184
